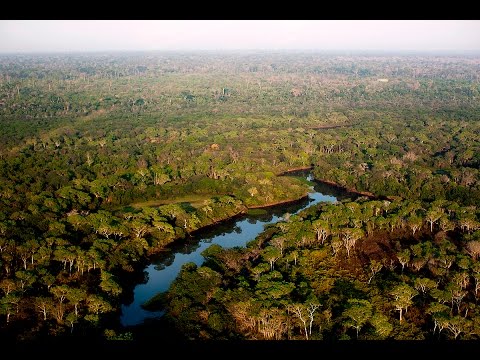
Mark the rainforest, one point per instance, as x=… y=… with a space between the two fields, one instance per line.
x=111 y=164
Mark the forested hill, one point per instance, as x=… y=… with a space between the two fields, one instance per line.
x=107 y=158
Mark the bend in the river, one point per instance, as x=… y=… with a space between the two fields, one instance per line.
x=235 y=232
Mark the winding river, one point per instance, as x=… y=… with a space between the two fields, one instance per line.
x=235 y=232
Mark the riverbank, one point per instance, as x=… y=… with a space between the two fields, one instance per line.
x=236 y=231
x=354 y=191
x=153 y=251
x=347 y=189
x=243 y=208
x=283 y=202
x=226 y=231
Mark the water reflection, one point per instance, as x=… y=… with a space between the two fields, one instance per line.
x=235 y=232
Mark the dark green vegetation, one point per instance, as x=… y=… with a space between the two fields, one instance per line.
x=360 y=270
x=88 y=141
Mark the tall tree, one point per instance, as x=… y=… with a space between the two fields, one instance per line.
x=402 y=297
x=358 y=313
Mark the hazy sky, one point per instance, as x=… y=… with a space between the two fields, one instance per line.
x=100 y=35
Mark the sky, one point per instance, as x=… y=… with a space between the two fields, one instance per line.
x=27 y=36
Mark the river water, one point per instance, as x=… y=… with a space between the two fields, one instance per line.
x=235 y=232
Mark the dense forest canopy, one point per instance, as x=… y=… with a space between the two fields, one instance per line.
x=106 y=159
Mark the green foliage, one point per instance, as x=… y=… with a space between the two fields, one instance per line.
x=89 y=142
x=357 y=313
x=286 y=271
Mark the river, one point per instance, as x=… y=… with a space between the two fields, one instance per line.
x=164 y=267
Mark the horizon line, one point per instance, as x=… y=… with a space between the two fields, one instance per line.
x=260 y=50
